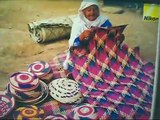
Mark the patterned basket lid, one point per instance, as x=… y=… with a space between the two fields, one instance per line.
x=7 y=103
x=40 y=68
x=29 y=113
x=41 y=98
x=24 y=81
x=86 y=112
x=65 y=90
x=56 y=117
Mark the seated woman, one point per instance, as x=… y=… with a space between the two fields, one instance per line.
x=88 y=16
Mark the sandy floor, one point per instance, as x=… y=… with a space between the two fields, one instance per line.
x=17 y=49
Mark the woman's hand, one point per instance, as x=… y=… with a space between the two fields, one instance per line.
x=120 y=37
x=113 y=33
x=87 y=34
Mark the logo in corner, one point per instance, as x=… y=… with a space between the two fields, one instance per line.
x=151 y=12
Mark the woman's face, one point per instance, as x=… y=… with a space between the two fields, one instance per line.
x=91 y=12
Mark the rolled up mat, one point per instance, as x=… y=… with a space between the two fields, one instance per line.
x=51 y=29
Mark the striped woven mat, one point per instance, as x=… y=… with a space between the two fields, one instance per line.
x=112 y=75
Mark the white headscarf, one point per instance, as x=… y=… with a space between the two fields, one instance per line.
x=81 y=23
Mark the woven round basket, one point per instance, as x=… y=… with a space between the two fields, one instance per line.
x=65 y=90
x=24 y=85
x=42 y=70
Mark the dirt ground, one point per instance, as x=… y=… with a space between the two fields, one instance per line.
x=18 y=50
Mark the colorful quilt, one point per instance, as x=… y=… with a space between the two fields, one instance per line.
x=83 y=111
x=113 y=76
